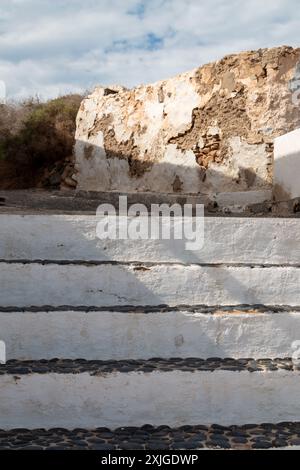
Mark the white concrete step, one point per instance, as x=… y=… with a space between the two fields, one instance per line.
x=106 y=284
x=117 y=304
x=145 y=333
x=176 y=392
x=73 y=238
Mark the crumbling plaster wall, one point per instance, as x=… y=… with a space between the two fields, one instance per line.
x=205 y=131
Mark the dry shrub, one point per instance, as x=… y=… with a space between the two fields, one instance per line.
x=34 y=137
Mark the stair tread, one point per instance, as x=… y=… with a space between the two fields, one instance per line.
x=113 y=285
x=248 y=436
x=94 y=367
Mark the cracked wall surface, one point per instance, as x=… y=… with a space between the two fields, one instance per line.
x=206 y=131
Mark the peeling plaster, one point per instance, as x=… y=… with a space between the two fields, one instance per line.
x=147 y=138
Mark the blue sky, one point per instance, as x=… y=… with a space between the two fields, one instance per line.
x=52 y=47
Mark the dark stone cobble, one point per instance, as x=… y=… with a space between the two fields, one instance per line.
x=151 y=438
x=96 y=367
x=147 y=309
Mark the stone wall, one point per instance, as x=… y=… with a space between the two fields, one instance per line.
x=207 y=131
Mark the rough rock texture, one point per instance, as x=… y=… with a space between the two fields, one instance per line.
x=205 y=131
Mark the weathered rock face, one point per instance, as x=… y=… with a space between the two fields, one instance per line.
x=206 y=131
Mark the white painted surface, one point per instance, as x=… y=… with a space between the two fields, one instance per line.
x=112 y=335
x=113 y=285
x=133 y=399
x=287 y=165
x=99 y=170
x=227 y=240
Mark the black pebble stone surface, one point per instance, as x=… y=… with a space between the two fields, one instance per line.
x=153 y=438
x=94 y=367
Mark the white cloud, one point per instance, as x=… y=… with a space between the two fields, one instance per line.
x=49 y=47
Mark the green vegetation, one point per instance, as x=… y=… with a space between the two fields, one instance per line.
x=34 y=136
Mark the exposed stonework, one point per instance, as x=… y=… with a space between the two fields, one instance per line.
x=205 y=131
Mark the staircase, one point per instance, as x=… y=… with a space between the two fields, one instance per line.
x=142 y=344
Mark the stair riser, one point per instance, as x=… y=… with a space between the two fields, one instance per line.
x=133 y=399
x=116 y=285
x=227 y=240
x=113 y=335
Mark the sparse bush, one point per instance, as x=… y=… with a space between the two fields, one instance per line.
x=34 y=137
